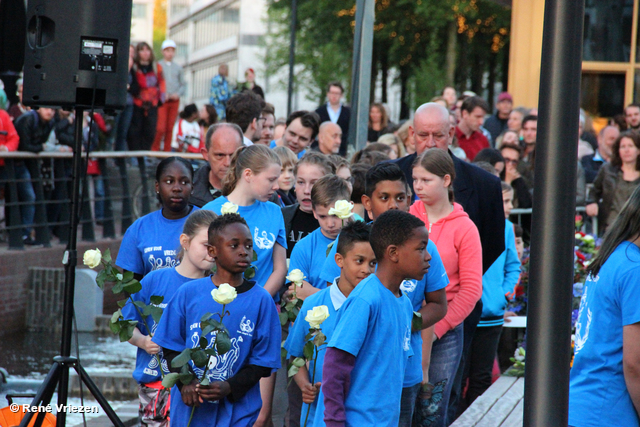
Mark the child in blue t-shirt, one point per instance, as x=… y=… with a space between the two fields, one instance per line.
x=310 y=253
x=151 y=242
x=366 y=358
x=195 y=262
x=251 y=181
x=232 y=398
x=357 y=261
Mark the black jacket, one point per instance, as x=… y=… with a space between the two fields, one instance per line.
x=591 y=167
x=33 y=132
x=201 y=194
x=343 y=122
x=288 y=213
x=480 y=195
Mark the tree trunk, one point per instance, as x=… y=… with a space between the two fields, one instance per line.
x=384 y=68
x=374 y=74
x=404 y=93
x=505 y=67
x=493 y=59
x=452 y=39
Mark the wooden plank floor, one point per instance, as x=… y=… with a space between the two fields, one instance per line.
x=500 y=406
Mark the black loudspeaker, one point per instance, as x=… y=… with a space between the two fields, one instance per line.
x=66 y=41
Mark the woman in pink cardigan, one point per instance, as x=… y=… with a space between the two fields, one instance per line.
x=458 y=242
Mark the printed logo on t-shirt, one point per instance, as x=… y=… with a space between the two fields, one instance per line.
x=408 y=285
x=246 y=326
x=166 y=260
x=152 y=366
x=407 y=340
x=220 y=367
x=262 y=241
x=581 y=337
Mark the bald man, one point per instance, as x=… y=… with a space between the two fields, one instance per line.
x=329 y=139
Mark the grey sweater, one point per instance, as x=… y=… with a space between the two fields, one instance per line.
x=173 y=77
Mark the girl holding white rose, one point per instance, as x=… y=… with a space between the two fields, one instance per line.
x=195 y=263
x=152 y=242
x=232 y=397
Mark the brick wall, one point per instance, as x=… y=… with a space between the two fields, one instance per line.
x=14 y=275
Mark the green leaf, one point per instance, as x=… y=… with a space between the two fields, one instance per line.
x=284 y=318
x=299 y=362
x=100 y=278
x=416 y=321
x=293 y=369
x=211 y=351
x=156 y=299
x=127 y=276
x=185 y=369
x=117 y=288
x=307 y=350
x=203 y=343
x=106 y=256
x=132 y=287
x=329 y=246
x=116 y=316
x=156 y=314
x=124 y=334
x=140 y=304
x=223 y=342
x=205 y=317
x=181 y=359
x=115 y=327
x=283 y=353
x=170 y=380
x=289 y=305
x=250 y=272
x=186 y=378
x=254 y=258
x=205 y=380
x=200 y=358
x=292 y=316
x=123 y=302
x=208 y=329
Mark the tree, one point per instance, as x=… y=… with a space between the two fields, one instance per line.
x=159 y=26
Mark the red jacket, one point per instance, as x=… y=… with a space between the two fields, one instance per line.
x=151 y=84
x=458 y=243
x=11 y=139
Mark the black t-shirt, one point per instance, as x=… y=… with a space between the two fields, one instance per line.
x=301 y=225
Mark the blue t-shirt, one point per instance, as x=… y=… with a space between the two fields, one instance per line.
x=295 y=341
x=273 y=145
x=375 y=326
x=254 y=329
x=266 y=224
x=151 y=243
x=164 y=283
x=598 y=394
x=435 y=279
x=309 y=255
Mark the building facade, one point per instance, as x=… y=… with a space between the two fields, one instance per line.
x=142 y=22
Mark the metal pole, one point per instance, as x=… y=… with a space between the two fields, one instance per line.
x=546 y=400
x=361 y=76
x=292 y=54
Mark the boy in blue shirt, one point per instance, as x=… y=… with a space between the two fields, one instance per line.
x=232 y=398
x=310 y=252
x=365 y=361
x=357 y=261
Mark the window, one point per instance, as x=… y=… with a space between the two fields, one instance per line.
x=139 y=11
x=215 y=24
x=204 y=71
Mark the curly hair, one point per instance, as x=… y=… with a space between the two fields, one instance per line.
x=221 y=222
x=394 y=227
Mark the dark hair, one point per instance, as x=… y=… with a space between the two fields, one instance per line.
x=352 y=233
x=386 y=171
x=518 y=230
x=615 y=151
x=243 y=108
x=485 y=166
x=139 y=47
x=512 y=147
x=439 y=163
x=489 y=155
x=358 y=179
x=269 y=109
x=329 y=189
x=164 y=164
x=216 y=126
x=338 y=161
x=473 y=102
x=626 y=226
x=529 y=118
x=384 y=119
x=221 y=222
x=633 y=104
x=308 y=119
x=255 y=157
x=336 y=84
x=188 y=111
x=213 y=116
x=195 y=222
x=369 y=157
x=316 y=159
x=394 y=227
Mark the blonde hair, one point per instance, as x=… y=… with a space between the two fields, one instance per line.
x=287 y=157
x=392 y=140
x=256 y=158
x=194 y=223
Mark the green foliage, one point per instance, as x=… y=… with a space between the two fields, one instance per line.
x=416 y=321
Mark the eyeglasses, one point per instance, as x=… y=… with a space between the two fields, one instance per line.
x=514 y=161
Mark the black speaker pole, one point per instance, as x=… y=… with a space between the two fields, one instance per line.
x=59 y=372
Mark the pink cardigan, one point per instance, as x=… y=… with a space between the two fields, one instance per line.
x=458 y=243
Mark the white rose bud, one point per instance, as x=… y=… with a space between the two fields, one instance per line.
x=520 y=354
x=92 y=258
x=588 y=238
x=578 y=236
x=119 y=276
x=296 y=277
x=228 y=208
x=316 y=316
x=342 y=209
x=224 y=294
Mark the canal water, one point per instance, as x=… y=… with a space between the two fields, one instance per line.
x=27 y=357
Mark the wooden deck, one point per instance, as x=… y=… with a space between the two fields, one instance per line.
x=500 y=406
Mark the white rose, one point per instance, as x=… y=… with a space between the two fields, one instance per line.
x=92 y=258
x=578 y=236
x=296 y=277
x=316 y=316
x=342 y=209
x=520 y=354
x=228 y=207
x=224 y=294
x=588 y=238
x=119 y=276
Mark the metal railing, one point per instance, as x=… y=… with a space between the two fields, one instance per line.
x=589 y=224
x=121 y=193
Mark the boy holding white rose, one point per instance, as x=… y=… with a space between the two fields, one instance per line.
x=329 y=204
x=232 y=397
x=357 y=261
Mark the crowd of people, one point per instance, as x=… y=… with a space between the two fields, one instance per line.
x=428 y=231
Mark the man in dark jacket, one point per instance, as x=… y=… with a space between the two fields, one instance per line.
x=33 y=129
x=221 y=141
x=497 y=123
x=336 y=112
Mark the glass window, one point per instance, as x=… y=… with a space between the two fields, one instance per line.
x=602 y=95
x=139 y=10
x=607 y=30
